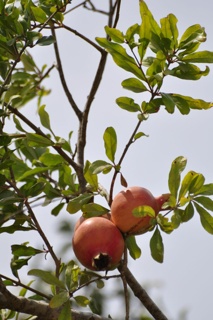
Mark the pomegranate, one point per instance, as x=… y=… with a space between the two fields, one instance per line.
x=123 y=205
x=82 y=219
x=98 y=244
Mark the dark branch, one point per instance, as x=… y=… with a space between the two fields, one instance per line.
x=141 y=294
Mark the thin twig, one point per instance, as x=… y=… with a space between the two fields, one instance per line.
x=63 y=80
x=130 y=141
x=142 y=295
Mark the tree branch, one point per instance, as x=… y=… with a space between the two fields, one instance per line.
x=63 y=81
x=39 y=309
x=141 y=294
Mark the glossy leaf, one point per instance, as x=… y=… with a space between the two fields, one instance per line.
x=205 y=218
x=134 y=249
x=134 y=84
x=130 y=33
x=188 y=71
x=143 y=211
x=100 y=166
x=39 y=14
x=110 y=143
x=178 y=165
x=51 y=160
x=168 y=102
x=127 y=104
x=164 y=223
x=144 y=11
x=45 y=41
x=199 y=57
x=186 y=183
x=47 y=277
x=115 y=34
x=156 y=246
x=193 y=34
x=145 y=36
x=120 y=57
x=196 y=183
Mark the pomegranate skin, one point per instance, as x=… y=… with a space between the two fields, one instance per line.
x=98 y=244
x=123 y=205
x=82 y=219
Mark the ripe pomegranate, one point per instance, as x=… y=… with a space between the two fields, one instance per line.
x=98 y=244
x=123 y=205
x=82 y=219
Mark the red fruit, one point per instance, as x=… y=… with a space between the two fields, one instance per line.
x=123 y=205
x=161 y=200
x=98 y=244
x=82 y=219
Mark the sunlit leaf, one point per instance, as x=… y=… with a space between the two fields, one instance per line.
x=24 y=250
x=199 y=57
x=100 y=166
x=39 y=14
x=36 y=140
x=120 y=57
x=187 y=213
x=115 y=34
x=156 y=246
x=94 y=209
x=143 y=211
x=90 y=177
x=207 y=190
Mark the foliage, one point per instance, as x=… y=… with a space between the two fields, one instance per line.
x=37 y=165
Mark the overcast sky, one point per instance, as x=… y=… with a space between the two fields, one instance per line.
x=185 y=277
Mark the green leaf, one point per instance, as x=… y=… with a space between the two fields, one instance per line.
x=128 y=104
x=44 y=117
x=115 y=34
x=187 y=213
x=138 y=135
x=207 y=190
x=94 y=210
x=199 y=57
x=33 y=172
x=82 y=301
x=178 y=165
x=110 y=143
x=45 y=41
x=39 y=14
x=100 y=166
x=47 y=277
x=134 y=249
x=76 y=204
x=187 y=71
x=168 y=102
x=65 y=313
x=51 y=160
x=205 y=202
x=121 y=58
x=176 y=218
x=134 y=84
x=169 y=29
x=55 y=211
x=90 y=177
x=24 y=250
x=59 y=299
x=196 y=183
x=145 y=36
x=143 y=211
x=72 y=273
x=36 y=140
x=156 y=246
x=205 y=218
x=193 y=34
x=144 y=11
x=185 y=184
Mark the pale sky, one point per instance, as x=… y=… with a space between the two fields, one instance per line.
x=185 y=277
